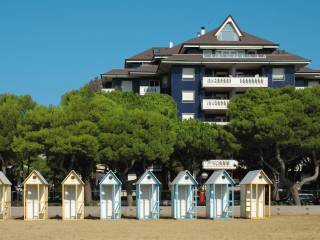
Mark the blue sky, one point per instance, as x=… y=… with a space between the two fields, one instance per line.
x=50 y=47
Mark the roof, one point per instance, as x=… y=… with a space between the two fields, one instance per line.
x=113 y=175
x=72 y=172
x=4 y=180
x=216 y=176
x=145 y=174
x=253 y=176
x=274 y=57
x=143 y=69
x=308 y=70
x=38 y=174
x=181 y=176
x=210 y=37
x=149 y=54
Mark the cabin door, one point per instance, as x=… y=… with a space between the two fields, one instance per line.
x=260 y=201
x=1 y=199
x=69 y=202
x=32 y=202
x=145 y=197
x=182 y=201
x=108 y=196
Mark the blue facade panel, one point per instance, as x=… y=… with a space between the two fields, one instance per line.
x=178 y=85
x=289 y=77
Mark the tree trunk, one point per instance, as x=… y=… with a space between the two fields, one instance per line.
x=87 y=192
x=298 y=185
x=2 y=164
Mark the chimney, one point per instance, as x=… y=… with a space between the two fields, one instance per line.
x=202 y=31
x=170 y=44
x=198 y=34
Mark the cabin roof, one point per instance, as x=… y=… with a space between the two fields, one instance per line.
x=145 y=174
x=38 y=174
x=4 y=180
x=215 y=176
x=180 y=176
x=110 y=173
x=72 y=172
x=252 y=175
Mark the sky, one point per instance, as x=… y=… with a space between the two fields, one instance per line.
x=50 y=47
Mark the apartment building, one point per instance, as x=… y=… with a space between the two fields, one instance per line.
x=202 y=74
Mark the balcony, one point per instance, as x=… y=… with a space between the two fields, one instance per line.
x=233 y=55
x=215 y=104
x=234 y=82
x=218 y=123
x=147 y=89
x=107 y=90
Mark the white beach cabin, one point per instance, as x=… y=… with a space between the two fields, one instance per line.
x=184 y=196
x=219 y=204
x=35 y=200
x=5 y=197
x=147 y=196
x=72 y=197
x=253 y=195
x=110 y=196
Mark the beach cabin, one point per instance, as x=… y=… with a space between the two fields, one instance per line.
x=35 y=197
x=72 y=197
x=147 y=196
x=253 y=195
x=5 y=197
x=219 y=204
x=184 y=196
x=110 y=196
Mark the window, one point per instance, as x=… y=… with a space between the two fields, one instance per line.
x=228 y=34
x=187 y=96
x=154 y=83
x=278 y=74
x=186 y=116
x=188 y=74
x=207 y=53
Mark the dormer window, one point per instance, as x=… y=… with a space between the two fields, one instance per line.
x=228 y=33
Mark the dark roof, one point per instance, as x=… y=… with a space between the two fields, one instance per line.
x=308 y=70
x=149 y=54
x=210 y=39
x=274 y=57
x=143 y=69
x=123 y=71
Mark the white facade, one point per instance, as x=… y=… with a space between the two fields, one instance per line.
x=184 y=196
x=110 y=197
x=253 y=195
x=35 y=197
x=5 y=197
x=147 y=196
x=72 y=197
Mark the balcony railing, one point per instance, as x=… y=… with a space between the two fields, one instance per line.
x=215 y=104
x=147 y=89
x=235 y=82
x=218 y=123
x=233 y=55
x=107 y=90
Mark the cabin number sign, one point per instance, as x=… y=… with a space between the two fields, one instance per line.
x=220 y=164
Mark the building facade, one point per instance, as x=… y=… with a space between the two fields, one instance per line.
x=202 y=74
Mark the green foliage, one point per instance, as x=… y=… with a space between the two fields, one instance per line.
x=198 y=141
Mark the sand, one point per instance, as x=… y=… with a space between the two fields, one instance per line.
x=289 y=227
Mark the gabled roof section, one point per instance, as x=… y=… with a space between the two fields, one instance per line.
x=184 y=178
x=308 y=70
x=4 y=180
x=148 y=178
x=220 y=177
x=110 y=179
x=38 y=176
x=231 y=21
x=74 y=175
x=256 y=177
